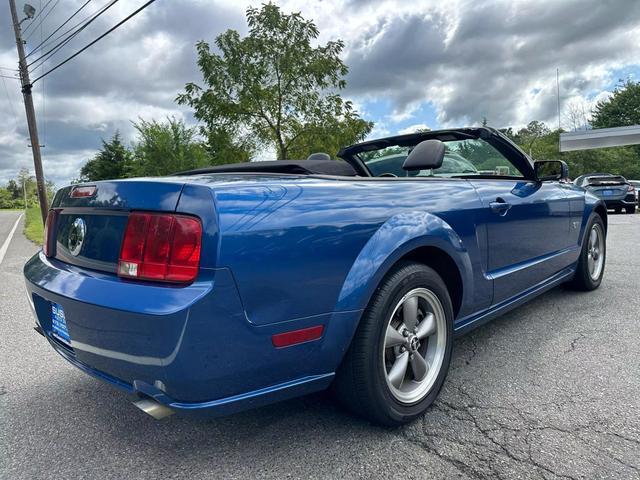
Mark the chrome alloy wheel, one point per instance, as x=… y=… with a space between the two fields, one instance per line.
x=414 y=345
x=595 y=256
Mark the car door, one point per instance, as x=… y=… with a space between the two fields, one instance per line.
x=527 y=222
x=527 y=226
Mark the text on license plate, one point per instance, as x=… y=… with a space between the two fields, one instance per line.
x=59 y=324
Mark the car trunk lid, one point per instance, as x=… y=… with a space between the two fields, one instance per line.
x=607 y=186
x=101 y=219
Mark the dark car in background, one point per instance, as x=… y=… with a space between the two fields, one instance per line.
x=615 y=190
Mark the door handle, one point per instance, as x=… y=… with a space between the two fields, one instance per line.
x=500 y=207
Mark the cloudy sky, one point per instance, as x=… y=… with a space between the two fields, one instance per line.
x=412 y=64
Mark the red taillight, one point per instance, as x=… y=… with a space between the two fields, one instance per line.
x=48 y=239
x=83 y=191
x=161 y=247
x=295 y=337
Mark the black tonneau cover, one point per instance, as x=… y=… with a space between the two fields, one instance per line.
x=297 y=167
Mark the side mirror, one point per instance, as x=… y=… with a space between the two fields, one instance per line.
x=551 y=170
x=427 y=154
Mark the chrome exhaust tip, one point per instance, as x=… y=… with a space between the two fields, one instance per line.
x=153 y=408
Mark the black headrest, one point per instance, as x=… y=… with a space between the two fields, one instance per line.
x=319 y=156
x=427 y=154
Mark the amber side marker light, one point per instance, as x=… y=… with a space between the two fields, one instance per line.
x=295 y=337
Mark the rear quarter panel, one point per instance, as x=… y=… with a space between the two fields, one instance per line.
x=314 y=246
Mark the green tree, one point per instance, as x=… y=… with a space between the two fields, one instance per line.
x=224 y=147
x=111 y=162
x=16 y=187
x=508 y=132
x=13 y=195
x=527 y=137
x=166 y=147
x=331 y=135
x=621 y=109
x=13 y=189
x=273 y=87
x=6 y=199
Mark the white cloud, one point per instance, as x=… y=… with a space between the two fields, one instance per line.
x=415 y=128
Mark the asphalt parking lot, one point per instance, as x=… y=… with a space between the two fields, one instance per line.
x=551 y=390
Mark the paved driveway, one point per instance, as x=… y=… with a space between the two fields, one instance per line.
x=551 y=390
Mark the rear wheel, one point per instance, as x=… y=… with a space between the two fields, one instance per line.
x=631 y=209
x=591 y=264
x=400 y=355
x=618 y=210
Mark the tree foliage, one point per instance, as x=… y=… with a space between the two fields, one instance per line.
x=13 y=194
x=621 y=109
x=274 y=88
x=111 y=162
x=161 y=148
x=527 y=137
x=166 y=147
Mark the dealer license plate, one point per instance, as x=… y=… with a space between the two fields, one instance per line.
x=59 y=324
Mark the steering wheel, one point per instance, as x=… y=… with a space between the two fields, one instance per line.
x=388 y=175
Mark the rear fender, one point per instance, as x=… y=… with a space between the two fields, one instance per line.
x=592 y=205
x=397 y=237
x=199 y=201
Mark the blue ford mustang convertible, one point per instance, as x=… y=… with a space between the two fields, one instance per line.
x=236 y=286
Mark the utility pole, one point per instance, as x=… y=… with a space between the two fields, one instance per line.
x=24 y=191
x=31 y=114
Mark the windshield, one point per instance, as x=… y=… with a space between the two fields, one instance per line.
x=462 y=158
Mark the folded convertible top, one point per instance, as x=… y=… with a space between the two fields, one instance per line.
x=297 y=167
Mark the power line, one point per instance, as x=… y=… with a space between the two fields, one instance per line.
x=71 y=30
x=6 y=90
x=58 y=29
x=37 y=15
x=87 y=21
x=41 y=24
x=61 y=44
x=95 y=41
x=9 y=76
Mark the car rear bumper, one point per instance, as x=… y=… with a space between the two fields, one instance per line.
x=190 y=348
x=620 y=203
x=217 y=407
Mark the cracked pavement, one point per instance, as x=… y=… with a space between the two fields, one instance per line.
x=550 y=390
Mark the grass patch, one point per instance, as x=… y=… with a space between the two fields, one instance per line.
x=33 y=228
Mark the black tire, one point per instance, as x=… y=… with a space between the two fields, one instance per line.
x=631 y=209
x=361 y=381
x=582 y=279
x=618 y=210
